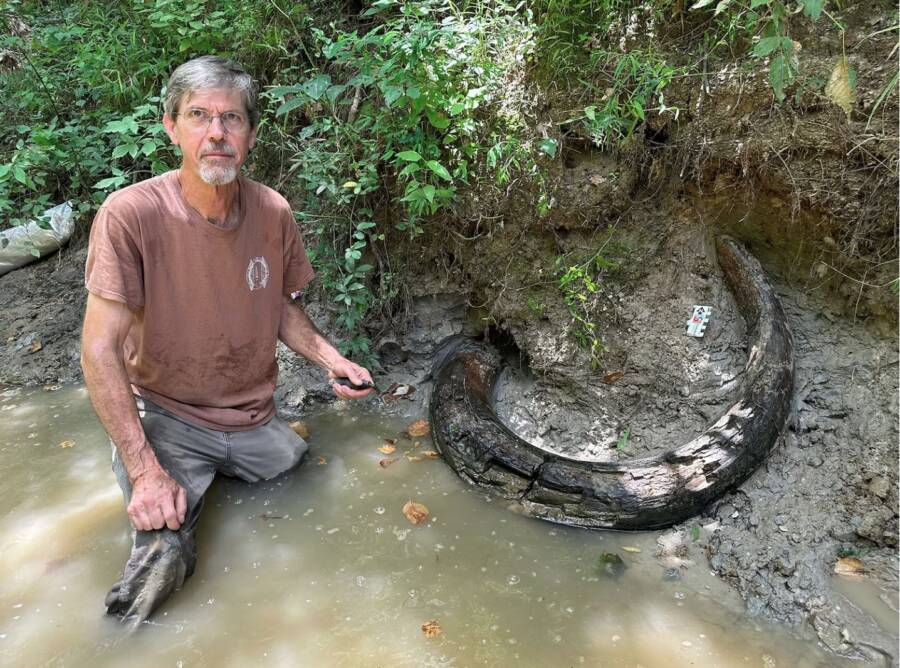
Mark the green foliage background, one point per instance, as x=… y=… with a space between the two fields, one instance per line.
x=374 y=119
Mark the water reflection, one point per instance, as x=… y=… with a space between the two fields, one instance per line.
x=321 y=568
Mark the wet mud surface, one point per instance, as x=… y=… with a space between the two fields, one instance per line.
x=658 y=387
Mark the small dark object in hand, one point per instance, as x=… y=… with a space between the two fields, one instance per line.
x=346 y=382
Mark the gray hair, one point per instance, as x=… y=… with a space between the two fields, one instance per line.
x=211 y=72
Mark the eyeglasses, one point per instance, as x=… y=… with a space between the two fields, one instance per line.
x=201 y=119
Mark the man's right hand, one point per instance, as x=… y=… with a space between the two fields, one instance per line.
x=157 y=501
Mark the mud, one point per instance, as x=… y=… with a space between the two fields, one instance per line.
x=658 y=388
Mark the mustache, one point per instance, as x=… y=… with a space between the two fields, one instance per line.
x=221 y=148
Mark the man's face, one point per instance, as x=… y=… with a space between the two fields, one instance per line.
x=212 y=152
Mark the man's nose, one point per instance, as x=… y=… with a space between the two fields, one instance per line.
x=216 y=129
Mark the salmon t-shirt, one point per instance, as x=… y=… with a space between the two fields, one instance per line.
x=207 y=300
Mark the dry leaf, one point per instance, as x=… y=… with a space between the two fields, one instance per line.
x=417 y=444
x=596 y=179
x=430 y=454
x=629 y=548
x=415 y=512
x=51 y=388
x=322 y=461
x=67 y=444
x=849 y=566
x=613 y=377
x=387 y=449
x=384 y=463
x=414 y=458
x=37 y=345
x=418 y=428
x=432 y=628
x=840 y=89
x=301 y=429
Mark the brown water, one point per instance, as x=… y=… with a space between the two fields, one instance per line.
x=322 y=569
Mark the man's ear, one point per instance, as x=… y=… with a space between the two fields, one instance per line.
x=252 y=139
x=169 y=125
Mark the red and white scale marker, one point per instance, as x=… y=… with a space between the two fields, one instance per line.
x=696 y=326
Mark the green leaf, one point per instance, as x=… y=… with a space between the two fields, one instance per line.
x=437 y=119
x=314 y=88
x=125 y=125
x=700 y=4
x=391 y=93
x=548 y=146
x=281 y=91
x=428 y=191
x=365 y=225
x=35 y=252
x=4 y=170
x=695 y=533
x=111 y=182
x=290 y=105
x=20 y=175
x=591 y=113
x=439 y=169
x=778 y=73
x=409 y=155
x=757 y=3
x=334 y=92
x=767 y=45
x=120 y=150
x=812 y=8
x=623 y=439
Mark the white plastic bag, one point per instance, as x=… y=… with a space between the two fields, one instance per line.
x=17 y=243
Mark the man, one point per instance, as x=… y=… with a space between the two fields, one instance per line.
x=191 y=277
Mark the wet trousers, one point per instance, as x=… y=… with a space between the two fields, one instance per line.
x=161 y=560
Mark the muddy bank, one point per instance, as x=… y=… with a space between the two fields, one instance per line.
x=41 y=308
x=829 y=488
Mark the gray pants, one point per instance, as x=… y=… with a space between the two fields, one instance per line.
x=192 y=455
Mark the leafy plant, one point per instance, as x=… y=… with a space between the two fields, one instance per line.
x=578 y=288
x=389 y=127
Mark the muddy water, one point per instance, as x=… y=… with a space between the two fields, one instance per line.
x=321 y=568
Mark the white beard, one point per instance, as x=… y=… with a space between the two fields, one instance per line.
x=217 y=175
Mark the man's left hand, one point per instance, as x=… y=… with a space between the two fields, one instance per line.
x=356 y=374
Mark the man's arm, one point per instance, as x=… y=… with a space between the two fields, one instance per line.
x=156 y=499
x=301 y=335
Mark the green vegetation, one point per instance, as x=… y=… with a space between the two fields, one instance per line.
x=579 y=285
x=622 y=443
x=82 y=85
x=397 y=120
x=375 y=125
